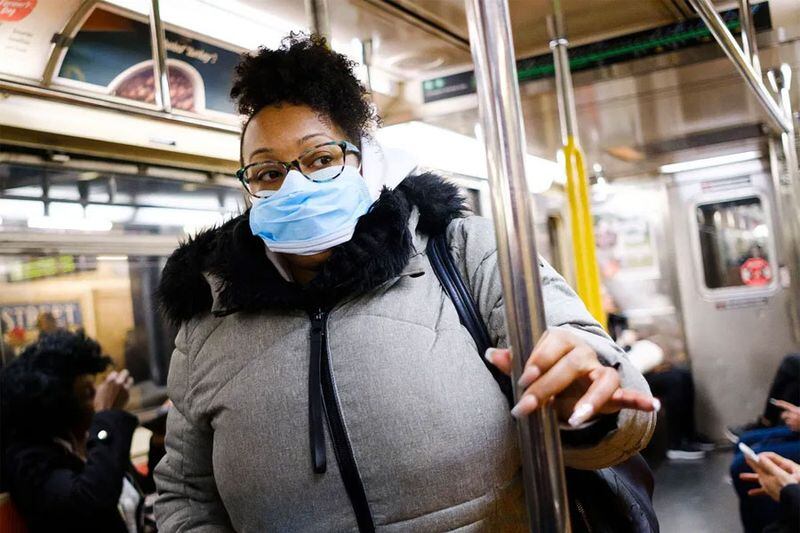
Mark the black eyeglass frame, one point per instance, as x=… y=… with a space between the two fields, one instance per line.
x=346 y=146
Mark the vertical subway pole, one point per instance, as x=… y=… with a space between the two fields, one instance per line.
x=158 y=42
x=366 y=58
x=501 y=119
x=587 y=275
x=318 y=18
x=781 y=81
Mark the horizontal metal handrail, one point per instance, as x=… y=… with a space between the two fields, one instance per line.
x=19 y=87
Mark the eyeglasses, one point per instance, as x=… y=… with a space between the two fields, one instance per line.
x=324 y=162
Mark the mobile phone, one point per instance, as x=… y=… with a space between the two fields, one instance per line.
x=748 y=452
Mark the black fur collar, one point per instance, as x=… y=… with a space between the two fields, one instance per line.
x=379 y=250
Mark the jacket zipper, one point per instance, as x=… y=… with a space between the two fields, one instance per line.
x=323 y=400
x=316 y=430
x=582 y=512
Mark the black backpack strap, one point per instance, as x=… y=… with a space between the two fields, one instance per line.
x=447 y=272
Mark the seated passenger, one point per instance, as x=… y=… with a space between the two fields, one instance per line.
x=779 y=478
x=783 y=440
x=7 y=351
x=786 y=388
x=321 y=379
x=66 y=444
x=46 y=324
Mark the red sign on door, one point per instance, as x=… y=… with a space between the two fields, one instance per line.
x=756 y=272
x=14 y=10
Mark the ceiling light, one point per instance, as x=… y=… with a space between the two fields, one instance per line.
x=88 y=176
x=20 y=209
x=696 y=164
x=69 y=223
x=241 y=23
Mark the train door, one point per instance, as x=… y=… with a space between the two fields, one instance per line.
x=734 y=291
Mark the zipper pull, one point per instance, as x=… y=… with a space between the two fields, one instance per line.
x=318 y=322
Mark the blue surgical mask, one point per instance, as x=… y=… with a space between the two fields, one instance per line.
x=307 y=217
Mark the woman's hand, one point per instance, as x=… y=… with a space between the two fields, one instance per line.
x=564 y=368
x=772 y=472
x=790 y=414
x=113 y=392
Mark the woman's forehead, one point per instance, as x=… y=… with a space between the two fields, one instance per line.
x=278 y=132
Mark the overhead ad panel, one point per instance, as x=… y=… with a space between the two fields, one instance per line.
x=26 y=30
x=112 y=54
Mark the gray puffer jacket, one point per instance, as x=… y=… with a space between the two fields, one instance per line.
x=256 y=443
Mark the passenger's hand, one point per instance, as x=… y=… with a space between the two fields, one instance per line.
x=772 y=472
x=564 y=368
x=113 y=392
x=790 y=414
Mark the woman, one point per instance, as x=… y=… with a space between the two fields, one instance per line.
x=321 y=378
x=67 y=444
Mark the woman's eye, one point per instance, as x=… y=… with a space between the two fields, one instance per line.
x=268 y=175
x=322 y=161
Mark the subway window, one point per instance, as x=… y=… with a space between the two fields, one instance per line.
x=734 y=238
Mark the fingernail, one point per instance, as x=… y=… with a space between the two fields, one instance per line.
x=656 y=405
x=489 y=354
x=527 y=404
x=530 y=375
x=580 y=414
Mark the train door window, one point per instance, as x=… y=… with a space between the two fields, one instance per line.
x=734 y=243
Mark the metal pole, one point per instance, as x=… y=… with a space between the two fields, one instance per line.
x=160 y=72
x=318 y=19
x=501 y=119
x=749 y=46
x=587 y=274
x=366 y=59
x=787 y=186
x=725 y=39
x=564 y=92
x=781 y=81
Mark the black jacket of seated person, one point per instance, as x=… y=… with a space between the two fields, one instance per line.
x=66 y=444
x=56 y=491
x=789 y=520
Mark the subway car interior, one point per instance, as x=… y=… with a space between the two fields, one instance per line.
x=657 y=140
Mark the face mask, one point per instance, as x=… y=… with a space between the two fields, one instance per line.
x=307 y=217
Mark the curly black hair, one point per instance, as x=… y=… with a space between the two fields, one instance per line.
x=305 y=71
x=36 y=388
